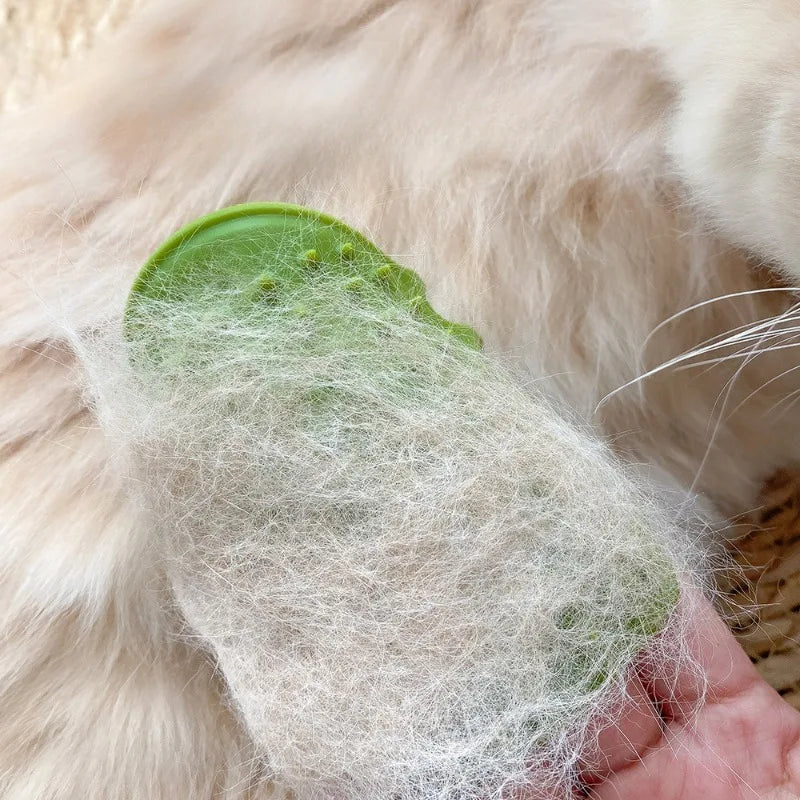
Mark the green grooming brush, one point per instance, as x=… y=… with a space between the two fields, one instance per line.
x=337 y=293
x=259 y=250
x=253 y=253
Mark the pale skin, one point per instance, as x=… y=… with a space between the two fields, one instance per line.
x=743 y=743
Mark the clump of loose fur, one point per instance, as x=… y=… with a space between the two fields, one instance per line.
x=418 y=580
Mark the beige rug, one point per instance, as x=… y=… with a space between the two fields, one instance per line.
x=37 y=36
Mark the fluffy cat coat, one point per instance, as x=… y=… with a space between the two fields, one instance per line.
x=555 y=170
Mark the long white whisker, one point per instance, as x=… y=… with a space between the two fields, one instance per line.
x=733 y=356
x=764 y=386
x=745 y=334
x=725 y=394
x=791 y=397
x=709 y=302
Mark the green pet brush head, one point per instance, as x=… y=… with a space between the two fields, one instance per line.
x=255 y=253
x=418 y=580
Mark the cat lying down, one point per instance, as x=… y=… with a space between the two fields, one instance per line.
x=423 y=589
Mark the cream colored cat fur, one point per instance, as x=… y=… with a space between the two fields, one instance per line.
x=571 y=176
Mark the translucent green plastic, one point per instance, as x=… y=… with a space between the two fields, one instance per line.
x=262 y=249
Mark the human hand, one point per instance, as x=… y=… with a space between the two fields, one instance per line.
x=742 y=743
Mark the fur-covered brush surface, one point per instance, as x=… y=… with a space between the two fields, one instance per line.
x=417 y=579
